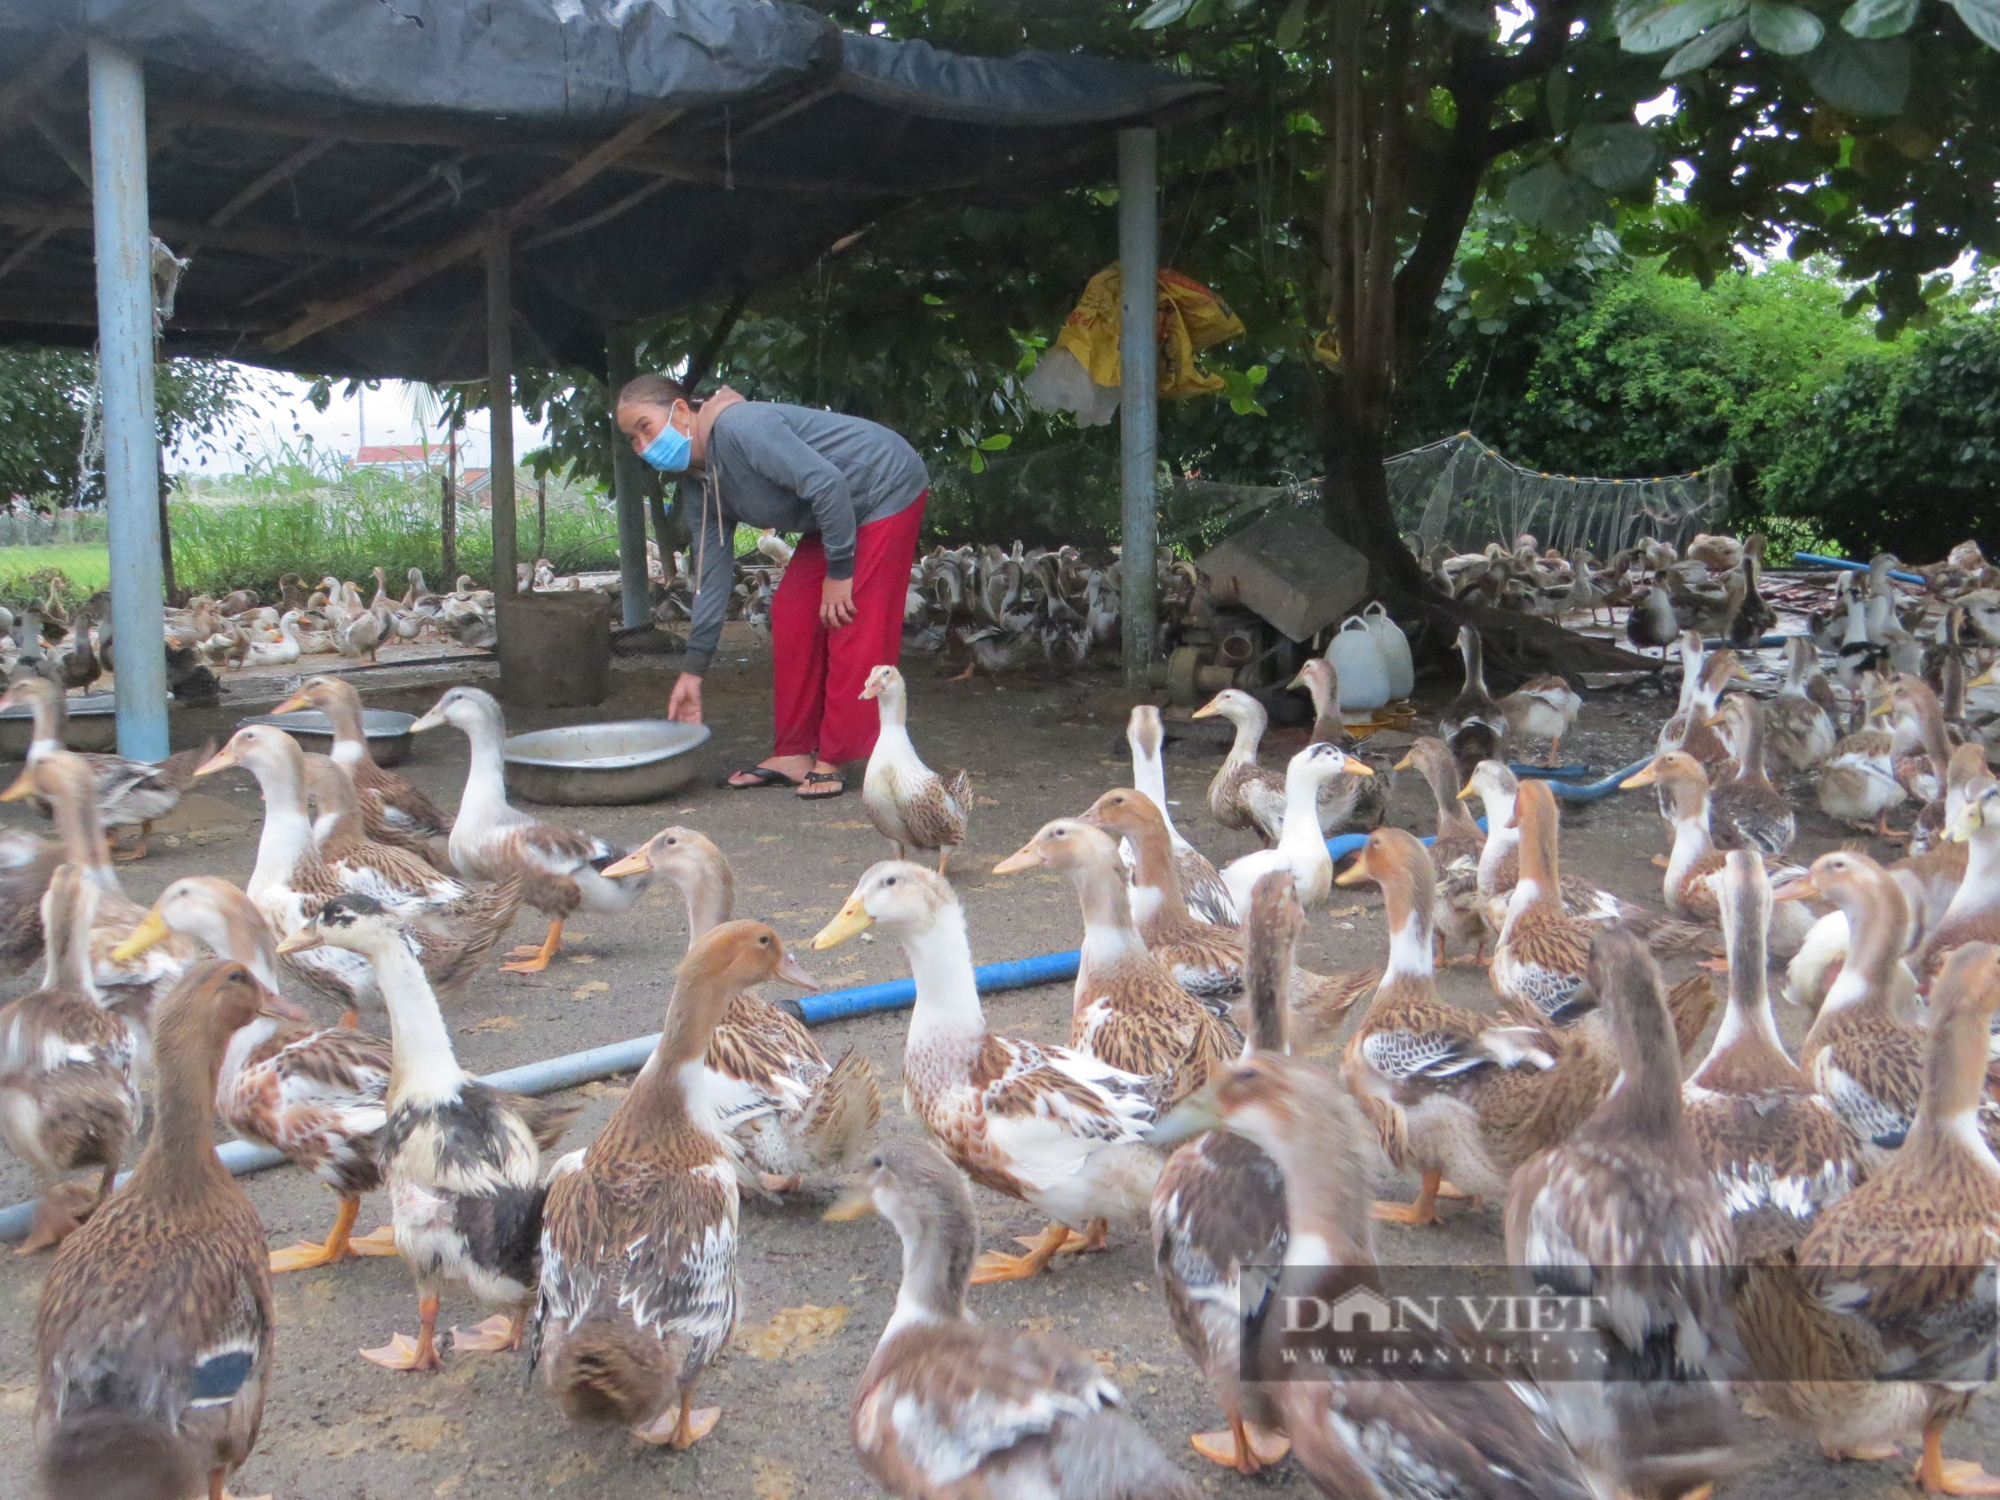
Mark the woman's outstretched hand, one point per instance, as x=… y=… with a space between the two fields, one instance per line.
x=684 y=707
x=836 y=603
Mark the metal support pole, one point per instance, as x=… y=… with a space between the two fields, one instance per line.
x=125 y=372
x=628 y=487
x=500 y=400
x=1138 y=399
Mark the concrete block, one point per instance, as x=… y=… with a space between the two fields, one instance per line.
x=1289 y=569
x=555 y=649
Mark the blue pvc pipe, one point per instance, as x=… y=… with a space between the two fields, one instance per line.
x=1814 y=560
x=1571 y=772
x=571 y=1069
x=1597 y=791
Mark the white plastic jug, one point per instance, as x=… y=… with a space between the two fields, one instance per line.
x=1393 y=647
x=1357 y=663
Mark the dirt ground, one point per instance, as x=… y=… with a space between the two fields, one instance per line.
x=814 y=1295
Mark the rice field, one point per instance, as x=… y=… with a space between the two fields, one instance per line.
x=25 y=571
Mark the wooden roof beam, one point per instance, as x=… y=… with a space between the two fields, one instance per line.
x=21 y=90
x=471 y=242
x=310 y=152
x=278 y=244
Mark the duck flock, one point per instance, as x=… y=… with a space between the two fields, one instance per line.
x=1806 y=1237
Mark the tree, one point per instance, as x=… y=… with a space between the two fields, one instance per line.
x=45 y=401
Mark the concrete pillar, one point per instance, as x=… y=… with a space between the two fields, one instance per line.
x=628 y=487
x=1138 y=398
x=125 y=374
x=500 y=399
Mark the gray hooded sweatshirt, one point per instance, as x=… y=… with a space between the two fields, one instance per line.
x=795 y=469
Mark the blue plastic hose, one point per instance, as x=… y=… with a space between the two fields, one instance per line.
x=1814 y=560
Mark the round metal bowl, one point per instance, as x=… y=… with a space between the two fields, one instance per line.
x=602 y=765
x=387 y=732
x=93 y=726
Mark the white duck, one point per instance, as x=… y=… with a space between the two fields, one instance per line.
x=1301 y=848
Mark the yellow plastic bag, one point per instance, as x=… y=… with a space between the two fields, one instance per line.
x=1191 y=318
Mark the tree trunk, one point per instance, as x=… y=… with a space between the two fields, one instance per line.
x=448 y=514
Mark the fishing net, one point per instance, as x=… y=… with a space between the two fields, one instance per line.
x=1460 y=492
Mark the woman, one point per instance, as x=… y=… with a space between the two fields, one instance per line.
x=857 y=491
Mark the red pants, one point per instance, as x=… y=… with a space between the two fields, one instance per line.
x=818 y=673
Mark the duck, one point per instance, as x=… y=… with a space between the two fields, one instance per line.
x=790 y=1110
x=1499 y=868
x=1864 y=1051
x=131 y=987
x=1922 y=748
x=637 y=1294
x=949 y=1405
x=1798 y=730
x=1127 y=1009
x=360 y=636
x=314 y=1094
x=1473 y=1439
x=1451 y=1094
x=1930 y=877
x=1857 y=784
x=1702 y=688
x=1053 y=1127
x=1747 y=811
x=910 y=804
x=393 y=809
x=454 y=924
x=1219 y=1206
x=129 y=792
x=1651 y=624
x=69 y=1068
x=178 y=1252
x=560 y=869
x=1349 y=803
x=1897 y=1257
x=1201 y=885
x=1455 y=851
x=462 y=1160
x=1630 y=1189
x=1542 y=708
x=1205 y=960
x=1473 y=725
x=1777 y=1151
x=1243 y=794
x=1300 y=847
x=26 y=864
x=1973 y=914
x=281 y=652
x=1541 y=953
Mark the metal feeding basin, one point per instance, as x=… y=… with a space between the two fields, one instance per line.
x=602 y=765
x=387 y=732
x=93 y=726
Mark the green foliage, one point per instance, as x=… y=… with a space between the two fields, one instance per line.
x=312 y=523
x=1902 y=450
x=25 y=572
x=45 y=397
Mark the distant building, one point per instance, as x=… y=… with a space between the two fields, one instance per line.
x=410 y=460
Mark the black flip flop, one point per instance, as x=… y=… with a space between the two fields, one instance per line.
x=765 y=777
x=814 y=778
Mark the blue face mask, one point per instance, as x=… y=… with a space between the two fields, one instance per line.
x=670 y=451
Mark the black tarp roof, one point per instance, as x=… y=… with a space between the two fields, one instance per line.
x=305 y=152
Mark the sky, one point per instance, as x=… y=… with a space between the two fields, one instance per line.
x=279 y=414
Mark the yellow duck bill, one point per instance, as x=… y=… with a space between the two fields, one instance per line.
x=148 y=933
x=850 y=919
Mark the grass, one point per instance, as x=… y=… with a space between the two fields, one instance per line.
x=303 y=512
x=25 y=571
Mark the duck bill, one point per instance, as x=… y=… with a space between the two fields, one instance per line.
x=1355 y=874
x=148 y=933
x=1298 y=681
x=1208 y=710
x=430 y=720
x=1801 y=889
x=1638 y=779
x=1193 y=1116
x=279 y=1008
x=1355 y=767
x=23 y=787
x=222 y=760
x=856 y=1203
x=1027 y=857
x=850 y=919
x=1963 y=824
x=301 y=940
x=1467 y=792
x=638 y=862
x=293 y=704
x=791 y=973
x=1407 y=763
